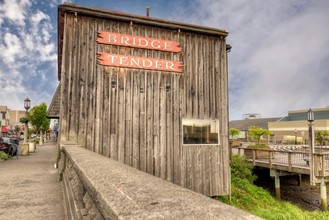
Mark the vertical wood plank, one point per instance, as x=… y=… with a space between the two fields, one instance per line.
x=156 y=126
x=136 y=120
x=82 y=81
x=99 y=97
x=67 y=45
x=128 y=130
x=121 y=116
x=176 y=131
x=169 y=127
x=86 y=85
x=163 y=120
x=189 y=76
x=74 y=80
x=114 y=116
x=189 y=166
x=142 y=123
x=149 y=122
x=195 y=77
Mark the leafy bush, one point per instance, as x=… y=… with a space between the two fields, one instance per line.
x=36 y=140
x=23 y=120
x=4 y=156
x=242 y=168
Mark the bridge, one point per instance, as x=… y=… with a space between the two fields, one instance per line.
x=285 y=160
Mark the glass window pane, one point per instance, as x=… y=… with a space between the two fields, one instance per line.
x=200 y=131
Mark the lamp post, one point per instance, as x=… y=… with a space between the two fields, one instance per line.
x=323 y=187
x=25 y=146
x=310 y=119
x=27 y=103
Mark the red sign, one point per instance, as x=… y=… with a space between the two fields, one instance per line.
x=108 y=59
x=137 y=42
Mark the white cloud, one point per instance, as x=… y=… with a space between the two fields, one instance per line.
x=279 y=59
x=28 y=53
x=54 y=3
x=38 y=17
x=11 y=48
x=47 y=52
x=15 y=11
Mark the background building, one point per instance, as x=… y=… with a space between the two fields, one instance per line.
x=10 y=119
x=4 y=120
x=294 y=127
x=14 y=119
x=244 y=124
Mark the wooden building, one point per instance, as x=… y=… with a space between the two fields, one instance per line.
x=150 y=93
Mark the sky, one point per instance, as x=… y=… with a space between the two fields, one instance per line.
x=279 y=59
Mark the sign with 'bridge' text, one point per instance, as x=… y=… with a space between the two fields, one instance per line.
x=125 y=40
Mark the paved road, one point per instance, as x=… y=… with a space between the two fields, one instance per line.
x=29 y=188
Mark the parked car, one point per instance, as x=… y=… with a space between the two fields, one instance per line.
x=4 y=147
x=9 y=146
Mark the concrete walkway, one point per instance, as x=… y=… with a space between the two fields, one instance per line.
x=29 y=187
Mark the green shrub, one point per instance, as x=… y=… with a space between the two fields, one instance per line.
x=36 y=140
x=242 y=168
x=4 y=156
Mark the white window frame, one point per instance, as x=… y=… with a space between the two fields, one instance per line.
x=200 y=121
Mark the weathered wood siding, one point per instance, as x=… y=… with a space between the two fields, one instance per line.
x=135 y=116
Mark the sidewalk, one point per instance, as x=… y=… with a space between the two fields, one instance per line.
x=29 y=187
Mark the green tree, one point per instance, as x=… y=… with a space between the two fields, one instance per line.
x=257 y=132
x=233 y=132
x=17 y=129
x=37 y=117
x=321 y=136
x=45 y=126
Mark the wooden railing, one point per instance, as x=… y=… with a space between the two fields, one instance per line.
x=290 y=158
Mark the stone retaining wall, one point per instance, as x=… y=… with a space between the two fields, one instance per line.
x=97 y=187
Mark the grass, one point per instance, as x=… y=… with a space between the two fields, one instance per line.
x=257 y=201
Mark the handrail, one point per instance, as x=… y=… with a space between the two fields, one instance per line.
x=291 y=159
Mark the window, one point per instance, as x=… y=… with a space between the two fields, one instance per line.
x=3 y=114
x=200 y=131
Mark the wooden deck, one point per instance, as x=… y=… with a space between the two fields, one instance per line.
x=293 y=159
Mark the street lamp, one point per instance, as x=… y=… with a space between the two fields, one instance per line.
x=310 y=119
x=27 y=104
x=323 y=187
x=25 y=145
x=310 y=116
